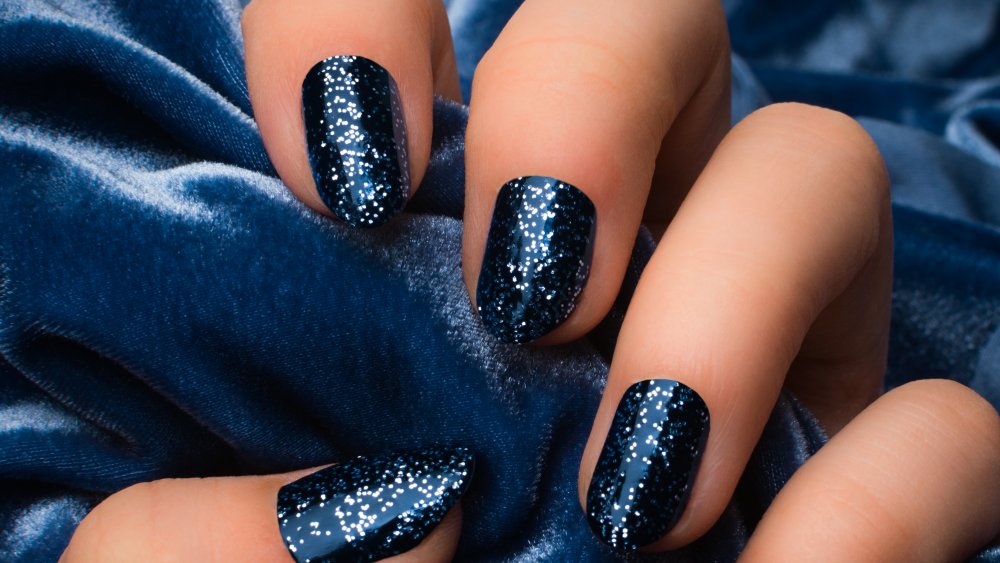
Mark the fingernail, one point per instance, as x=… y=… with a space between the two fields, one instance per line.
x=648 y=464
x=371 y=508
x=356 y=138
x=537 y=258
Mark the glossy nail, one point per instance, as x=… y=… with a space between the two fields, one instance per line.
x=648 y=464
x=537 y=257
x=356 y=138
x=371 y=508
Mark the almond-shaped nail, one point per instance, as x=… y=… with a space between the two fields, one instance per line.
x=537 y=257
x=371 y=508
x=356 y=139
x=648 y=465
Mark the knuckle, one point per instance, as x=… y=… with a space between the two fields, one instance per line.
x=827 y=134
x=831 y=144
x=535 y=59
x=665 y=53
x=570 y=76
x=947 y=404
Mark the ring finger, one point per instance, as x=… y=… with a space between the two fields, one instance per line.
x=777 y=264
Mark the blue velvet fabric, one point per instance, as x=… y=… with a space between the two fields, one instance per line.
x=168 y=309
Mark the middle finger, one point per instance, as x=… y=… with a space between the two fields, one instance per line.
x=569 y=110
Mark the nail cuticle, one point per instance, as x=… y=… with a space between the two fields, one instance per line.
x=372 y=507
x=537 y=258
x=356 y=139
x=647 y=467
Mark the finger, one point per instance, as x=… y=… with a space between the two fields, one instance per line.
x=569 y=110
x=343 y=93
x=913 y=478
x=790 y=215
x=399 y=507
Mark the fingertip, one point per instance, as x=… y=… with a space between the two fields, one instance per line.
x=537 y=259
x=543 y=259
x=639 y=485
x=375 y=507
x=346 y=116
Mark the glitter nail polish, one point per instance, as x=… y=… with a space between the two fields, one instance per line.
x=648 y=464
x=371 y=508
x=356 y=139
x=537 y=257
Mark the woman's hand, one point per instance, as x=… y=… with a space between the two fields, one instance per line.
x=774 y=269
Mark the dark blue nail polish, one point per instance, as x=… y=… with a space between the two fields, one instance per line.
x=356 y=137
x=648 y=465
x=537 y=258
x=371 y=508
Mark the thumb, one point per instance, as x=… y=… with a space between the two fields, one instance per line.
x=397 y=507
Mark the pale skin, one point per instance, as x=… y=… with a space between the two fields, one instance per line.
x=774 y=270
